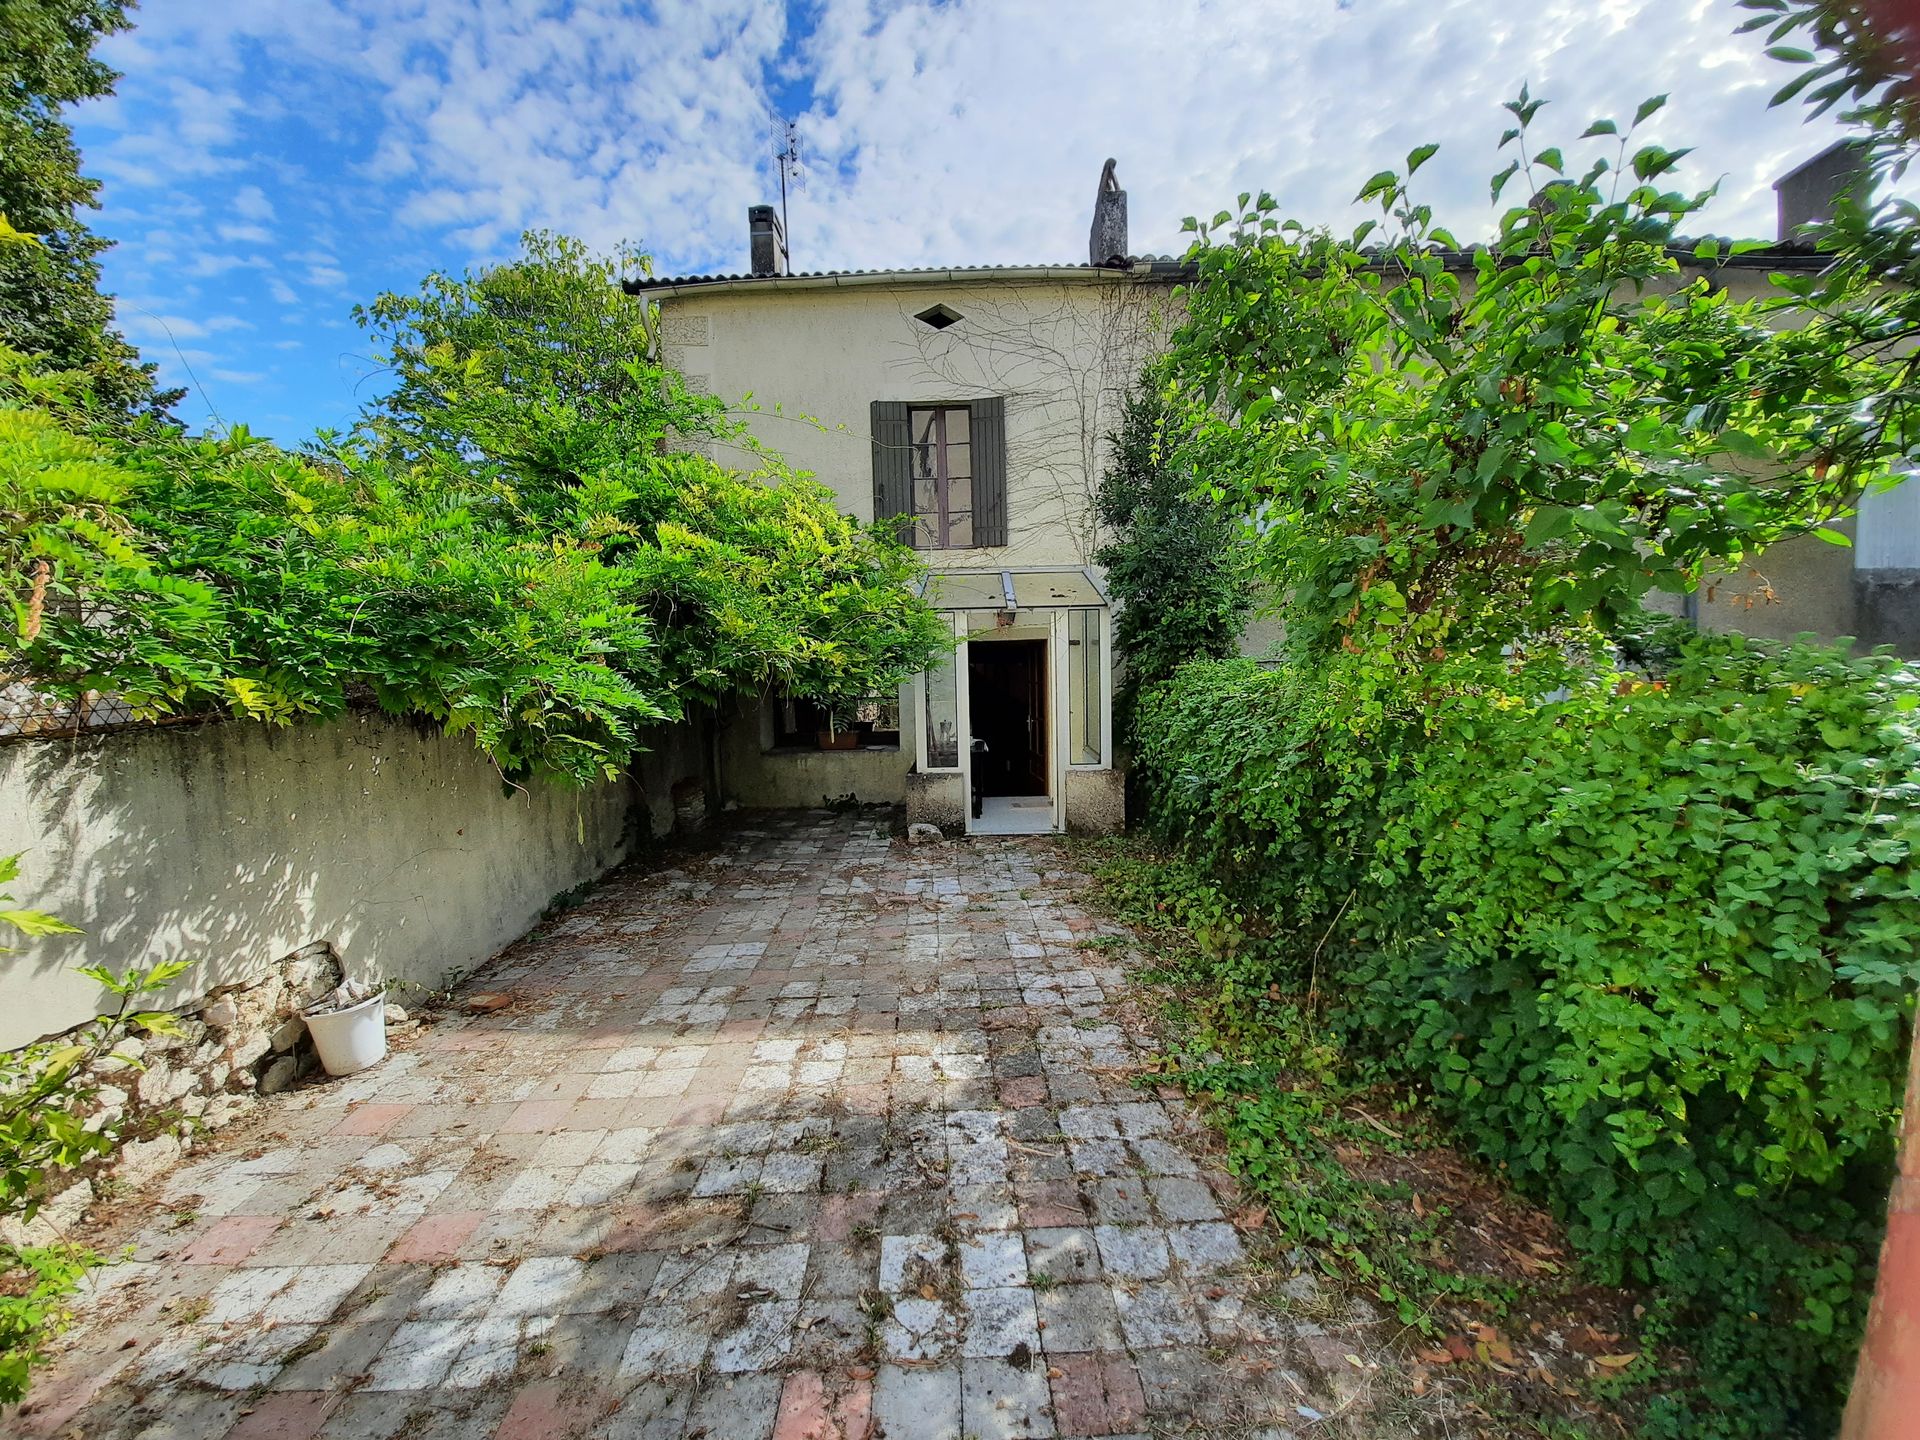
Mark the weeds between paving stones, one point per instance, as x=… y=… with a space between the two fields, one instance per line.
x=1373 y=1211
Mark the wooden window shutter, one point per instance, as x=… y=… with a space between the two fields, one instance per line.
x=989 y=430
x=892 y=460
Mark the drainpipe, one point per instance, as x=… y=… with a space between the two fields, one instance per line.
x=1886 y=1380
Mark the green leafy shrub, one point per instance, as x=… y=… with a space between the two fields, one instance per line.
x=46 y=1131
x=506 y=546
x=1175 y=564
x=1646 y=944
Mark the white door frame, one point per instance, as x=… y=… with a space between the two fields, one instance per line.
x=1057 y=682
x=963 y=701
x=1055 y=640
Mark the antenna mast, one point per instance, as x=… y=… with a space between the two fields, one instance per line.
x=786 y=156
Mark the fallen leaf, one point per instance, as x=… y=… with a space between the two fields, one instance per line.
x=1617 y=1362
x=1434 y=1357
x=927 y=1292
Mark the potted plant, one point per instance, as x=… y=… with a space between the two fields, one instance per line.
x=841 y=732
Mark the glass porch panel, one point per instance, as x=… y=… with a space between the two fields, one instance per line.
x=966 y=590
x=1044 y=589
x=942 y=712
x=1085 y=673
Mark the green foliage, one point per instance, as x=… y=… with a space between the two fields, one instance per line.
x=1636 y=932
x=1285 y=1095
x=50 y=303
x=1450 y=448
x=1860 y=60
x=1644 y=943
x=537 y=379
x=504 y=549
x=1173 y=562
x=46 y=1100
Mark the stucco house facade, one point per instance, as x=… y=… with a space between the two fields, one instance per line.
x=970 y=405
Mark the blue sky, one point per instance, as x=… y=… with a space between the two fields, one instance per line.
x=269 y=163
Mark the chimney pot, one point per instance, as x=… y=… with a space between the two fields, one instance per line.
x=1809 y=193
x=1107 y=241
x=767 y=240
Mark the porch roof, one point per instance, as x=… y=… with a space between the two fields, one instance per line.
x=1074 y=588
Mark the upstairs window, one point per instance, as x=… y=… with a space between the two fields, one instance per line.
x=940 y=469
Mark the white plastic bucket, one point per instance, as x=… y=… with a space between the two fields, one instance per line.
x=352 y=1039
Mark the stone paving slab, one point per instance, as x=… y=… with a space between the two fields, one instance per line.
x=815 y=1136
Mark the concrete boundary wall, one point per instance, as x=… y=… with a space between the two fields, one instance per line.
x=237 y=844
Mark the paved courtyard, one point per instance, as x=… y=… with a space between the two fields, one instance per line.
x=816 y=1136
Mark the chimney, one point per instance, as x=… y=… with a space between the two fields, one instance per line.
x=1107 y=241
x=1809 y=192
x=767 y=240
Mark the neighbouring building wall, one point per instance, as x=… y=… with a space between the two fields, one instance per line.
x=1868 y=591
x=236 y=845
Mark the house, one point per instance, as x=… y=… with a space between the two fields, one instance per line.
x=971 y=405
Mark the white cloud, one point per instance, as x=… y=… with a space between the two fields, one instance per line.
x=940 y=131
x=238 y=377
x=250 y=202
x=388 y=138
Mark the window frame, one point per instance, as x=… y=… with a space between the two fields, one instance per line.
x=923 y=707
x=942 y=478
x=1102 y=621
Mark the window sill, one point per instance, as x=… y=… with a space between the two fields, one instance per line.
x=816 y=750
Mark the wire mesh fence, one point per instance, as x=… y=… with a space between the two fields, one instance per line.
x=27 y=713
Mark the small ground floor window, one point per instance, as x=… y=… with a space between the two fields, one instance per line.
x=798 y=721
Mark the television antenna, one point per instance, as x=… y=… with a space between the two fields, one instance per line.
x=786 y=158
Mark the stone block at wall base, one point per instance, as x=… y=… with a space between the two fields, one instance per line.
x=936 y=799
x=1096 y=802
x=165 y=1091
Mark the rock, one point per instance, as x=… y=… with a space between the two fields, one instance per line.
x=249 y=1049
x=921 y=833
x=153 y=1082
x=396 y=1014
x=288 y=1035
x=146 y=1160
x=223 y=1110
x=280 y=1075
x=488 y=1003
x=220 y=1015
